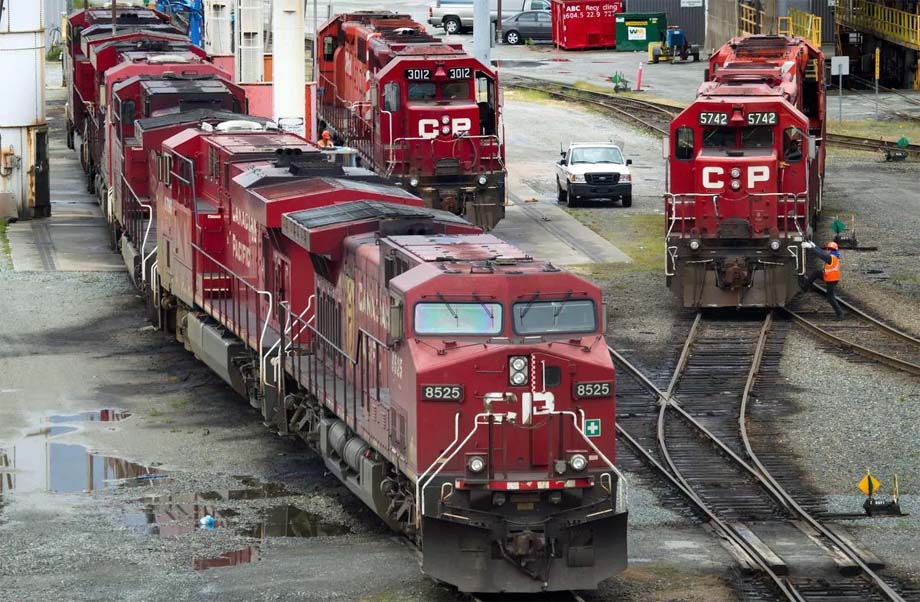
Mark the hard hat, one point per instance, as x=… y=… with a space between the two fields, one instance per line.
x=326 y=135
x=832 y=245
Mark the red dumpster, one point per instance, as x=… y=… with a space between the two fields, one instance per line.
x=580 y=25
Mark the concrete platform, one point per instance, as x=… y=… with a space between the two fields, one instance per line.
x=75 y=237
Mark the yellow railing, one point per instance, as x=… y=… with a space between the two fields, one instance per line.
x=894 y=25
x=801 y=25
x=750 y=20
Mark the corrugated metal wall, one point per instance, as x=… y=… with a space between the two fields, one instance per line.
x=692 y=17
x=825 y=10
x=53 y=10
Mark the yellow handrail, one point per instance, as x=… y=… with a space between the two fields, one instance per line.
x=750 y=20
x=801 y=25
x=891 y=24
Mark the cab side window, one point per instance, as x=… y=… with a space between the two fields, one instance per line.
x=683 y=144
x=792 y=145
x=391 y=97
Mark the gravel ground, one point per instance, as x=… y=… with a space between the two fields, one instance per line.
x=854 y=416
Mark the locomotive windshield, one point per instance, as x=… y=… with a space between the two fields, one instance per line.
x=547 y=317
x=458 y=318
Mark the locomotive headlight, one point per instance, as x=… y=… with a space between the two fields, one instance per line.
x=476 y=464
x=482 y=180
x=736 y=172
x=736 y=184
x=445 y=119
x=413 y=182
x=445 y=129
x=694 y=245
x=774 y=245
x=519 y=367
x=578 y=462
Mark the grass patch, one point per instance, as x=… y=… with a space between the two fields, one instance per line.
x=178 y=404
x=888 y=130
x=524 y=95
x=641 y=236
x=6 y=253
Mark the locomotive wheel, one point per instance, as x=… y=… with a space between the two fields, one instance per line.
x=561 y=195
x=452 y=25
x=513 y=38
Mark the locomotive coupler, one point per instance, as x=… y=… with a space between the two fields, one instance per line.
x=735 y=274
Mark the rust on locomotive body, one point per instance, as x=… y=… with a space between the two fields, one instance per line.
x=421 y=112
x=745 y=175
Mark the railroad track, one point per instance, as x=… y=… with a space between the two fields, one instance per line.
x=656 y=116
x=543 y=597
x=858 y=333
x=707 y=456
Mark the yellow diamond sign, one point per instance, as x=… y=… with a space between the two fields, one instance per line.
x=869 y=484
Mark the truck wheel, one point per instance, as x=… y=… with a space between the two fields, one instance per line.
x=627 y=201
x=561 y=195
x=451 y=25
x=513 y=38
x=696 y=57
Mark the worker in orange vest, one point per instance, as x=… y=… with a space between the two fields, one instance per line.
x=830 y=272
x=326 y=140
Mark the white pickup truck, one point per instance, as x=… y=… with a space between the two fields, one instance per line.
x=456 y=16
x=593 y=171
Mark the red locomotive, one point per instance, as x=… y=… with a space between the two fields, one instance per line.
x=745 y=175
x=421 y=112
x=460 y=388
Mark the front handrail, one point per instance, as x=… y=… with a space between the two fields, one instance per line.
x=483 y=141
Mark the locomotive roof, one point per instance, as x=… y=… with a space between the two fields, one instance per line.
x=196 y=116
x=327 y=184
x=104 y=30
x=356 y=211
x=240 y=143
x=205 y=84
x=461 y=248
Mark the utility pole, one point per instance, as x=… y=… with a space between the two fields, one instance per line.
x=114 y=17
x=482 y=31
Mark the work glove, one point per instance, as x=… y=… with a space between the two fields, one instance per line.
x=808 y=245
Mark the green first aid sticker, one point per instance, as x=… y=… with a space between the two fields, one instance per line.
x=593 y=427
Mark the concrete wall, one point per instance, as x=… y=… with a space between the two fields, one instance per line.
x=721 y=22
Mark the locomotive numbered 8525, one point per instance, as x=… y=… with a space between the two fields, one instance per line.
x=421 y=112
x=745 y=173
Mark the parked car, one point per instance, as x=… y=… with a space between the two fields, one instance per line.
x=593 y=171
x=456 y=16
x=535 y=25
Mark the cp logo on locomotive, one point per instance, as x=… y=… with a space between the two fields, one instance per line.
x=428 y=128
x=713 y=176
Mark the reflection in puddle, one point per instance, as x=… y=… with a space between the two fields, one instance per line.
x=37 y=463
x=291 y=521
x=244 y=556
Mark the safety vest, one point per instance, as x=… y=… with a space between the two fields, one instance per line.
x=832 y=270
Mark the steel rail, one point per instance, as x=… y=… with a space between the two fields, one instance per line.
x=878 y=356
x=758 y=471
x=862 y=314
x=677 y=480
x=578 y=94
x=790 y=502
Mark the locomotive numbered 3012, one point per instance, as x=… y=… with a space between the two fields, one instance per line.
x=421 y=112
x=745 y=174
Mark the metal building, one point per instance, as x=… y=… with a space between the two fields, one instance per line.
x=24 y=178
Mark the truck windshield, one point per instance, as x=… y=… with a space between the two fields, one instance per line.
x=597 y=154
x=547 y=317
x=458 y=318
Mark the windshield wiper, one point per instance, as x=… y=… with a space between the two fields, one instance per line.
x=526 y=309
x=561 y=306
x=484 y=307
x=449 y=308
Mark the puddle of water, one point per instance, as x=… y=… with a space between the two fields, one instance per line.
x=36 y=462
x=291 y=521
x=243 y=556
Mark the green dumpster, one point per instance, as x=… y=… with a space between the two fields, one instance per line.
x=636 y=30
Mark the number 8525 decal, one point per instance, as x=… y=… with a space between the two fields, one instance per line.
x=589 y=390
x=442 y=392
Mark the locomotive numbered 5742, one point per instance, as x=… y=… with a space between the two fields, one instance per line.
x=745 y=174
